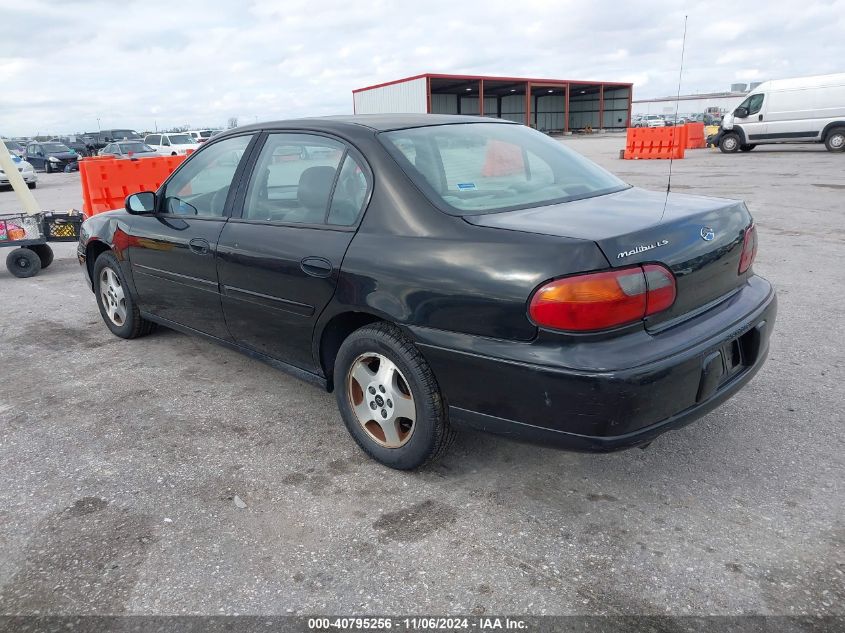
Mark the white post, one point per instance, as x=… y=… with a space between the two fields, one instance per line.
x=16 y=180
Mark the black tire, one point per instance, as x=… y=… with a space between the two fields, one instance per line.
x=431 y=434
x=31 y=185
x=44 y=252
x=48 y=167
x=23 y=263
x=835 y=140
x=729 y=143
x=746 y=148
x=131 y=325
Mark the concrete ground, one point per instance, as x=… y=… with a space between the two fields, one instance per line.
x=166 y=475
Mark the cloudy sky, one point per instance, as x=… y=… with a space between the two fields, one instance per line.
x=141 y=64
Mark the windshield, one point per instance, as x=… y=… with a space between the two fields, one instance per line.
x=54 y=148
x=180 y=139
x=12 y=145
x=135 y=147
x=130 y=134
x=472 y=168
x=206 y=134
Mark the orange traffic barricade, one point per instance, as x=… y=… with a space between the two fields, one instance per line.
x=106 y=181
x=655 y=142
x=695 y=136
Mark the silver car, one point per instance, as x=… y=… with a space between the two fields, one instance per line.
x=128 y=149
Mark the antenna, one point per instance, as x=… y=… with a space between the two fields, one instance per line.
x=677 y=104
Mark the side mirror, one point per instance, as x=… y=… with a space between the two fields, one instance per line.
x=741 y=112
x=141 y=203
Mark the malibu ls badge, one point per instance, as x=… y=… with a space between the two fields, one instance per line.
x=642 y=248
x=707 y=234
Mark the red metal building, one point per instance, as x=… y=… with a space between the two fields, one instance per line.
x=550 y=105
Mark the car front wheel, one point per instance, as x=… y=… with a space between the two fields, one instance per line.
x=119 y=311
x=729 y=143
x=389 y=399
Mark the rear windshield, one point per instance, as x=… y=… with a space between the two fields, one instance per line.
x=120 y=134
x=472 y=168
x=180 y=139
x=135 y=147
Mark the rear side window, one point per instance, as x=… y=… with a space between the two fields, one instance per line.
x=350 y=193
x=154 y=139
x=293 y=179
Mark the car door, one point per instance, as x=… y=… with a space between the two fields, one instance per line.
x=753 y=124
x=279 y=256
x=172 y=253
x=35 y=157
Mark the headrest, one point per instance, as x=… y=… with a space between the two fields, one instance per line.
x=315 y=185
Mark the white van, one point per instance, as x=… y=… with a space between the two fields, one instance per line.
x=800 y=110
x=171 y=143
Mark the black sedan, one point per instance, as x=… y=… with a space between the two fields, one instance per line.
x=51 y=156
x=438 y=271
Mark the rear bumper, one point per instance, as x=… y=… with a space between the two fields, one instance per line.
x=609 y=394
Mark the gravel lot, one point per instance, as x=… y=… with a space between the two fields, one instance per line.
x=121 y=461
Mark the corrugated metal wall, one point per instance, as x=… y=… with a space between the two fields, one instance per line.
x=513 y=108
x=615 y=107
x=404 y=97
x=550 y=113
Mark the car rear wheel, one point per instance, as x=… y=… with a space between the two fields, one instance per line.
x=389 y=399
x=31 y=185
x=729 y=143
x=835 y=140
x=23 y=263
x=118 y=309
x=746 y=148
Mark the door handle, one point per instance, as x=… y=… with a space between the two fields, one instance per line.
x=759 y=117
x=316 y=266
x=199 y=246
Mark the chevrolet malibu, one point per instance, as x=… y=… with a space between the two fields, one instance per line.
x=440 y=271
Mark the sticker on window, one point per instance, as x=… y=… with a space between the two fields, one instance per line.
x=467 y=186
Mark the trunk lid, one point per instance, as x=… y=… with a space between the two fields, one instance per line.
x=698 y=238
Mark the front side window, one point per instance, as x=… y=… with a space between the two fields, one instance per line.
x=154 y=139
x=472 y=168
x=201 y=186
x=293 y=179
x=165 y=141
x=753 y=103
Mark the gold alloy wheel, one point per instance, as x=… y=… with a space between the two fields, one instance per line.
x=381 y=399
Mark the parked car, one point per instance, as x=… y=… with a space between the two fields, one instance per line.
x=652 y=120
x=76 y=143
x=128 y=149
x=437 y=271
x=26 y=170
x=171 y=144
x=801 y=110
x=201 y=136
x=51 y=156
x=14 y=148
x=98 y=140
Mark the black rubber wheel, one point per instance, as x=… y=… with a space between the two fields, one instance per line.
x=746 y=148
x=117 y=307
x=48 y=167
x=729 y=143
x=44 y=252
x=23 y=263
x=835 y=140
x=31 y=185
x=379 y=374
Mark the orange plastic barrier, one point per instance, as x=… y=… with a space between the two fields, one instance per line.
x=655 y=142
x=695 y=136
x=106 y=181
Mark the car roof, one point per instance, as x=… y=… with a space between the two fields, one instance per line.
x=376 y=122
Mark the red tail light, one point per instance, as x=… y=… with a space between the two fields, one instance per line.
x=598 y=301
x=749 y=249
